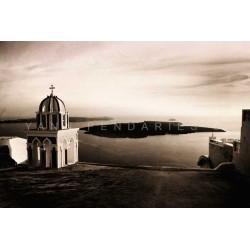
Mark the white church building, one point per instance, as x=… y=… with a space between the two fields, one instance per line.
x=53 y=143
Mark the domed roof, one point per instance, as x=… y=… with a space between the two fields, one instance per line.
x=52 y=103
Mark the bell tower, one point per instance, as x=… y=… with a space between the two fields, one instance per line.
x=53 y=143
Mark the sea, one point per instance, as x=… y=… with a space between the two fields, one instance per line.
x=163 y=150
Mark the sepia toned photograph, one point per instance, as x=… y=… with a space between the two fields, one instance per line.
x=124 y=124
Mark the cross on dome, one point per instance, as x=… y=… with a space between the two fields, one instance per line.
x=52 y=88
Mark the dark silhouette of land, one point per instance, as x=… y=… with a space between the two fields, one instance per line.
x=71 y=119
x=144 y=129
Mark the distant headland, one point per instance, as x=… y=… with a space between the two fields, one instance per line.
x=71 y=119
x=144 y=129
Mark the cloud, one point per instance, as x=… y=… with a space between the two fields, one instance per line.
x=236 y=78
x=226 y=80
x=227 y=61
x=34 y=67
x=138 y=77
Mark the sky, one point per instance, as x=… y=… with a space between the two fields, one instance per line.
x=126 y=79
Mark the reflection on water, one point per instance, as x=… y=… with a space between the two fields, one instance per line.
x=166 y=150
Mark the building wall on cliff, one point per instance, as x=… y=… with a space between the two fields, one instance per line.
x=219 y=153
x=17 y=148
x=236 y=154
x=244 y=159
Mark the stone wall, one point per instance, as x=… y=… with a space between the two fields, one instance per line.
x=219 y=153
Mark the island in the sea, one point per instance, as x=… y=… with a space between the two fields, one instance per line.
x=144 y=129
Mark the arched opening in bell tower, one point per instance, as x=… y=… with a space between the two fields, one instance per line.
x=71 y=153
x=36 y=153
x=65 y=153
x=48 y=152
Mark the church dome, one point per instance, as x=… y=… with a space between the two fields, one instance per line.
x=52 y=113
x=52 y=104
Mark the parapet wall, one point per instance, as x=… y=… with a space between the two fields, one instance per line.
x=220 y=152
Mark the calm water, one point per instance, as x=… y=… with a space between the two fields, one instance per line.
x=166 y=150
